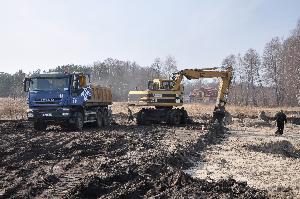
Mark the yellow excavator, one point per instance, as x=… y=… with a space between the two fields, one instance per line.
x=162 y=95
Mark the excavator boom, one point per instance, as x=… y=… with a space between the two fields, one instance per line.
x=224 y=75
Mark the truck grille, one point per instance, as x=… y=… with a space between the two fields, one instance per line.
x=48 y=101
x=37 y=102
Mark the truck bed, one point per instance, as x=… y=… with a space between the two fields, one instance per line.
x=100 y=96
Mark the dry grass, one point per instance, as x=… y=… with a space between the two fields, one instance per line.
x=254 y=111
x=11 y=109
x=16 y=109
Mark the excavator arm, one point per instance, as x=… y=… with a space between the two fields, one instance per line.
x=224 y=75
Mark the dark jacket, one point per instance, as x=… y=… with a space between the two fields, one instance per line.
x=281 y=117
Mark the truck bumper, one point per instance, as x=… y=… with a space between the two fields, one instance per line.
x=58 y=115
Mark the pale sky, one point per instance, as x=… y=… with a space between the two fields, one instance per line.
x=47 y=33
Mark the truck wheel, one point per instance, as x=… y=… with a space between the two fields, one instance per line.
x=105 y=118
x=99 y=122
x=78 y=121
x=39 y=126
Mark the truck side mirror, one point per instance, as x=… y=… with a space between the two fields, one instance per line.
x=75 y=85
x=26 y=84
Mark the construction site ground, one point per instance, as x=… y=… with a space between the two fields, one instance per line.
x=243 y=160
x=252 y=153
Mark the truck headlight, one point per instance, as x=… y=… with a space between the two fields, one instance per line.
x=29 y=114
x=65 y=114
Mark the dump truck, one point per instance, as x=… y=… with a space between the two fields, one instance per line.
x=161 y=100
x=66 y=99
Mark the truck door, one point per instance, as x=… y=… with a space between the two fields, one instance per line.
x=78 y=83
x=81 y=91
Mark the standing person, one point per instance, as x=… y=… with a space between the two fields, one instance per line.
x=280 y=120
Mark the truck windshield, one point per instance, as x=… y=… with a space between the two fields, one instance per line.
x=49 y=83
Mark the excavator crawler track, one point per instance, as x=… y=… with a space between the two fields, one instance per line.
x=166 y=115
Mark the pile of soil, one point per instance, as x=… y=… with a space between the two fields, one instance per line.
x=119 y=161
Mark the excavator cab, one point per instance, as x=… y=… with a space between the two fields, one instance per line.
x=167 y=84
x=161 y=84
x=153 y=85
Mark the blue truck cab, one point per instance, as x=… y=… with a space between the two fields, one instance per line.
x=66 y=99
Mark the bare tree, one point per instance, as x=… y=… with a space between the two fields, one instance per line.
x=291 y=58
x=170 y=66
x=296 y=31
x=274 y=68
x=229 y=61
x=157 y=67
x=251 y=67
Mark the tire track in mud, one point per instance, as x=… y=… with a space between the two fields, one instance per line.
x=116 y=162
x=26 y=154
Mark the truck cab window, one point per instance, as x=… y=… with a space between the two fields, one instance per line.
x=82 y=81
x=78 y=84
x=42 y=84
x=49 y=83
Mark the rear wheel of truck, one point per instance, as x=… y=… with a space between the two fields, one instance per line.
x=105 y=118
x=99 y=118
x=78 y=121
x=39 y=126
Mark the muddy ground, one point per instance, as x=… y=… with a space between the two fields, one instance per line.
x=120 y=161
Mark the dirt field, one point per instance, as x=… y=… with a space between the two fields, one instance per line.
x=253 y=154
x=130 y=161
